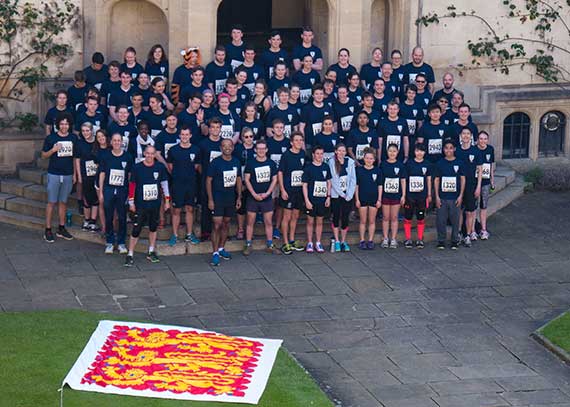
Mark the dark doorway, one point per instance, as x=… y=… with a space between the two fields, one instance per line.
x=551 y=138
x=516 y=135
x=253 y=15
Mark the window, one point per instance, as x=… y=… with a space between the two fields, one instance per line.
x=552 y=132
x=516 y=134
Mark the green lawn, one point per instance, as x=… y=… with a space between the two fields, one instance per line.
x=558 y=331
x=39 y=348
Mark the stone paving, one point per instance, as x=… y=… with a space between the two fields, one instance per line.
x=383 y=328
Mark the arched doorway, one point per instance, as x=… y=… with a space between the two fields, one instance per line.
x=552 y=132
x=378 y=26
x=139 y=24
x=516 y=135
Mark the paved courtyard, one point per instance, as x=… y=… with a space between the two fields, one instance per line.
x=383 y=328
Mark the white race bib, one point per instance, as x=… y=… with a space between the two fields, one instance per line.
x=411 y=126
x=391 y=139
x=416 y=184
x=343 y=182
x=486 y=171
x=392 y=185
x=346 y=122
x=234 y=63
x=276 y=158
x=220 y=85
x=98 y=86
x=448 y=184
x=214 y=155
x=317 y=127
x=154 y=133
x=305 y=95
x=90 y=168
x=65 y=149
x=250 y=86
x=320 y=189
x=434 y=146
x=230 y=178
x=117 y=178
x=227 y=131
x=125 y=143
x=287 y=131
x=263 y=174
x=167 y=147
x=150 y=192
x=327 y=157
x=360 y=150
x=296 y=178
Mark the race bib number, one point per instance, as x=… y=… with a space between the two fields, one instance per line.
x=411 y=126
x=416 y=184
x=250 y=86
x=486 y=171
x=96 y=128
x=150 y=192
x=263 y=174
x=346 y=122
x=220 y=85
x=392 y=185
x=65 y=149
x=98 y=86
x=230 y=178
x=227 y=131
x=393 y=140
x=125 y=143
x=287 y=131
x=167 y=147
x=317 y=127
x=320 y=189
x=297 y=178
x=214 y=155
x=154 y=133
x=327 y=157
x=235 y=63
x=343 y=182
x=305 y=95
x=90 y=168
x=117 y=178
x=448 y=184
x=412 y=77
x=276 y=158
x=360 y=150
x=434 y=146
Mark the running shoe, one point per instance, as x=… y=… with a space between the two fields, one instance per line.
x=370 y=245
x=454 y=245
x=276 y=233
x=309 y=248
x=408 y=244
x=337 y=247
x=129 y=261
x=441 y=245
x=122 y=249
x=63 y=233
x=247 y=250
x=485 y=235
x=93 y=227
x=420 y=244
x=297 y=246
x=272 y=249
x=319 y=247
x=385 y=243
x=474 y=236
x=109 y=248
x=215 y=259
x=173 y=240
x=393 y=244
x=152 y=257
x=286 y=249
x=362 y=245
x=85 y=226
x=344 y=247
x=467 y=241
x=191 y=238
x=225 y=255
x=48 y=236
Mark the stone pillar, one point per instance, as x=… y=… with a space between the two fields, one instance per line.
x=179 y=23
x=202 y=26
x=348 y=24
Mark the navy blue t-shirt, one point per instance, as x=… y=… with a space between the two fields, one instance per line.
x=316 y=176
x=256 y=125
x=184 y=161
x=209 y=150
x=269 y=58
x=76 y=96
x=418 y=173
x=118 y=97
x=254 y=73
x=276 y=148
x=455 y=129
x=423 y=100
x=369 y=74
x=224 y=174
x=217 y=76
x=313 y=117
x=87 y=158
x=342 y=74
x=381 y=104
x=344 y=112
x=96 y=78
x=359 y=140
x=393 y=132
x=299 y=52
x=328 y=142
x=116 y=168
x=261 y=175
x=61 y=162
x=181 y=76
x=374 y=118
x=289 y=116
x=306 y=81
x=449 y=173
x=148 y=193
x=412 y=114
x=155 y=70
x=234 y=54
x=411 y=71
x=471 y=158
x=368 y=181
x=165 y=141
x=128 y=133
x=392 y=173
x=355 y=95
x=134 y=71
x=190 y=120
x=488 y=157
x=98 y=121
x=52 y=114
x=291 y=165
x=433 y=135
x=108 y=87
x=189 y=90
x=273 y=84
x=156 y=122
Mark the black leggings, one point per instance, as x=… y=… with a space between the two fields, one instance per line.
x=340 y=212
x=415 y=205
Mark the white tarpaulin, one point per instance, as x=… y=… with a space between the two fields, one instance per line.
x=173 y=362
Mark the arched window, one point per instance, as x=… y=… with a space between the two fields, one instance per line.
x=552 y=133
x=516 y=135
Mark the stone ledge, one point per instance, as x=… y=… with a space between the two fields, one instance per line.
x=548 y=344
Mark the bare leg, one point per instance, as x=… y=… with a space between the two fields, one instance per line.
x=61 y=209
x=49 y=213
x=319 y=228
x=225 y=231
x=394 y=209
x=287 y=214
x=189 y=219
x=249 y=228
x=216 y=232
x=372 y=211
x=363 y=212
x=293 y=223
x=268 y=222
x=310 y=225
x=175 y=220
x=385 y=220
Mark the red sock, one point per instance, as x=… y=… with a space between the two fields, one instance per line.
x=408 y=229
x=421 y=227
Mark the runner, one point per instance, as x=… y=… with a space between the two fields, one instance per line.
x=122 y=126
x=393 y=194
x=114 y=171
x=317 y=195
x=423 y=96
x=432 y=134
x=184 y=165
x=52 y=113
x=237 y=100
x=254 y=71
x=277 y=145
x=193 y=118
x=327 y=139
x=218 y=71
x=92 y=115
x=143 y=139
x=306 y=78
x=224 y=189
x=307 y=48
x=452 y=114
x=412 y=112
x=381 y=97
x=77 y=93
x=157 y=63
x=113 y=83
x=344 y=109
x=374 y=115
x=418 y=195
x=342 y=67
x=394 y=87
x=418 y=66
x=274 y=54
x=121 y=95
x=397 y=67
x=59 y=147
x=361 y=138
x=368 y=197
x=243 y=152
x=230 y=122
x=130 y=65
x=295 y=98
x=158 y=85
x=248 y=118
x=137 y=111
x=147 y=189
x=260 y=181
x=488 y=180
x=447 y=91
x=449 y=186
x=371 y=70
x=86 y=171
x=197 y=85
x=290 y=177
x=236 y=48
x=261 y=99
x=97 y=73
x=464 y=121
x=354 y=90
x=278 y=81
x=312 y=116
x=343 y=186
x=284 y=112
x=393 y=130
x=181 y=76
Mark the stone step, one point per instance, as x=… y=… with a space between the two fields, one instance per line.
x=4 y=197
x=34 y=175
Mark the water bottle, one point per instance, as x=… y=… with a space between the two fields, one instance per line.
x=332 y=245
x=68 y=217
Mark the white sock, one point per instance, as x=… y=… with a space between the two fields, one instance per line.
x=131 y=253
x=151 y=249
x=220 y=249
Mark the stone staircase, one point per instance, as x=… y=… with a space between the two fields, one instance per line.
x=23 y=198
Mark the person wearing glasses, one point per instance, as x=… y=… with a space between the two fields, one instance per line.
x=423 y=95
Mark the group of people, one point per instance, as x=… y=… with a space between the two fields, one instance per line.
x=265 y=139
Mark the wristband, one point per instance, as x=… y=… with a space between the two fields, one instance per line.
x=167 y=198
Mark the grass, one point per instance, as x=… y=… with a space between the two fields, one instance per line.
x=39 y=349
x=558 y=331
